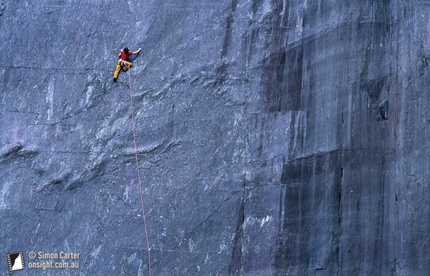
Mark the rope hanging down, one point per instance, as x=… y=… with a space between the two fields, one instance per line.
x=138 y=175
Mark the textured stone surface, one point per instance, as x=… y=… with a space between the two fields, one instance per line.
x=274 y=137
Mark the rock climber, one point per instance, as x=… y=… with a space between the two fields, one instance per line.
x=123 y=62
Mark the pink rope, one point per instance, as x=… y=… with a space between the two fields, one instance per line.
x=138 y=176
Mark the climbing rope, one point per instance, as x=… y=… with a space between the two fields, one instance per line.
x=138 y=175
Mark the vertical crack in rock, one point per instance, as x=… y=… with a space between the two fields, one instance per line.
x=376 y=70
x=235 y=266
x=2 y=8
x=280 y=256
x=227 y=39
x=383 y=109
x=337 y=232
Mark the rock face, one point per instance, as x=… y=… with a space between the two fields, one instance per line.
x=274 y=137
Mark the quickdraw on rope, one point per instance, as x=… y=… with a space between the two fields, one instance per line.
x=138 y=175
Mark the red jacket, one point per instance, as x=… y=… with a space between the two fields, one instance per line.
x=125 y=56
